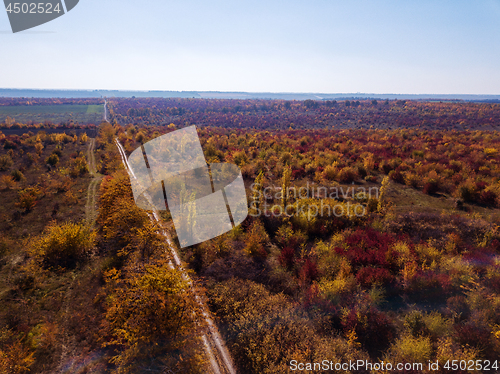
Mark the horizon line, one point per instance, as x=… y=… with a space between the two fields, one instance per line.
x=247 y=92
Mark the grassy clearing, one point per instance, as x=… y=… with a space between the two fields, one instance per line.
x=53 y=113
x=406 y=199
x=95 y=109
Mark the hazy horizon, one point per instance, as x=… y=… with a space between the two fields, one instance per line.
x=81 y=93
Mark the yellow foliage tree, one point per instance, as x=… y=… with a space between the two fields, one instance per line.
x=63 y=246
x=7 y=182
x=28 y=197
x=258 y=195
x=153 y=316
x=39 y=148
x=383 y=192
x=285 y=186
x=15 y=358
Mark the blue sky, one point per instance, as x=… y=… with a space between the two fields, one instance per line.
x=327 y=46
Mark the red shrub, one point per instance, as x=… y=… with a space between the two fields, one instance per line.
x=309 y=271
x=374 y=329
x=369 y=275
x=475 y=335
x=367 y=248
x=396 y=176
x=480 y=185
x=479 y=258
x=488 y=198
x=369 y=253
x=431 y=187
x=286 y=258
x=298 y=173
x=432 y=284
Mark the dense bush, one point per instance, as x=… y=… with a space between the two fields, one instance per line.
x=17 y=175
x=63 y=246
x=411 y=349
x=28 y=197
x=15 y=357
x=476 y=334
x=368 y=252
x=152 y=316
x=374 y=329
x=52 y=160
x=5 y=162
x=265 y=331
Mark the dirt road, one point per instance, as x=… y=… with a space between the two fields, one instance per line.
x=219 y=357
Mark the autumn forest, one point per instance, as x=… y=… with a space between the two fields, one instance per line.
x=407 y=272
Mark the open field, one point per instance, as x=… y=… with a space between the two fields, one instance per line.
x=53 y=113
x=90 y=131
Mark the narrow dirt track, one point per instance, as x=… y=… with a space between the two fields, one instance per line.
x=91 y=157
x=90 y=206
x=68 y=342
x=219 y=357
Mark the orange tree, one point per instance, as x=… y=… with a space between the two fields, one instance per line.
x=151 y=319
